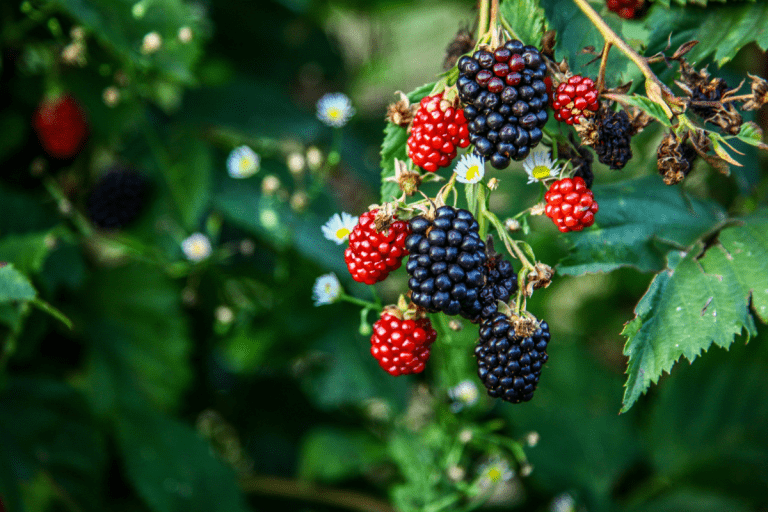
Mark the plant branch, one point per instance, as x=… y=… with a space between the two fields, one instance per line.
x=603 y=63
x=494 y=23
x=482 y=23
x=654 y=88
x=293 y=489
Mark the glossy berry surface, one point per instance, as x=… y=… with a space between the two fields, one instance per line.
x=446 y=262
x=500 y=285
x=61 y=126
x=118 y=198
x=372 y=254
x=401 y=346
x=614 y=132
x=627 y=9
x=510 y=365
x=570 y=205
x=505 y=99
x=575 y=98
x=438 y=130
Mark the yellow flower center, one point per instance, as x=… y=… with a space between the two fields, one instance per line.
x=494 y=475
x=540 y=172
x=334 y=113
x=341 y=233
x=473 y=172
x=245 y=164
x=328 y=288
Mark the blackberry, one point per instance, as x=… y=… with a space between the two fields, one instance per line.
x=118 y=198
x=446 y=261
x=712 y=91
x=613 y=139
x=500 y=284
x=506 y=100
x=510 y=365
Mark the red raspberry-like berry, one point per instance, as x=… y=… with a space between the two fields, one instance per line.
x=575 y=98
x=401 y=346
x=438 y=129
x=570 y=205
x=373 y=254
x=627 y=9
x=61 y=126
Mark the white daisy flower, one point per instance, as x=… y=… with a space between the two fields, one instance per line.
x=539 y=167
x=326 y=290
x=196 y=247
x=339 y=227
x=243 y=162
x=495 y=471
x=463 y=394
x=335 y=109
x=470 y=169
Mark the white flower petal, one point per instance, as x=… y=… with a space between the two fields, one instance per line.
x=338 y=227
x=243 y=162
x=470 y=169
x=196 y=247
x=326 y=290
x=335 y=109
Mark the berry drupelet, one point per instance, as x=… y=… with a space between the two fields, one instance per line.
x=118 y=198
x=505 y=97
x=446 y=262
x=575 y=98
x=400 y=345
x=613 y=141
x=510 y=365
x=438 y=130
x=570 y=205
x=500 y=284
x=373 y=254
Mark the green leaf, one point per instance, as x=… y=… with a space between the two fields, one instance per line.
x=752 y=134
x=27 y=252
x=648 y=106
x=638 y=222
x=139 y=340
x=172 y=468
x=14 y=285
x=394 y=146
x=698 y=301
x=330 y=455
x=189 y=180
x=526 y=18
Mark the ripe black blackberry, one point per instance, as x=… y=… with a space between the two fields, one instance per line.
x=510 y=365
x=446 y=262
x=118 y=198
x=500 y=284
x=505 y=100
x=614 y=136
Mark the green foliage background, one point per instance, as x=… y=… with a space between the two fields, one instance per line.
x=123 y=387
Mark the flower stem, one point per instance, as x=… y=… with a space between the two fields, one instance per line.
x=359 y=302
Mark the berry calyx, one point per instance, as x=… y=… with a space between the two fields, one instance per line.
x=509 y=362
x=570 y=205
x=439 y=128
x=401 y=341
x=376 y=247
x=575 y=98
x=61 y=126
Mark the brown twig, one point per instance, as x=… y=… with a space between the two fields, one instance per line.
x=603 y=63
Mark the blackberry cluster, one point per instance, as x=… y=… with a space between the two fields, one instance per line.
x=613 y=141
x=510 y=365
x=500 y=284
x=506 y=100
x=118 y=198
x=710 y=92
x=446 y=262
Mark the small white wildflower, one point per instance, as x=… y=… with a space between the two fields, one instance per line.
x=74 y=54
x=196 y=247
x=270 y=184
x=456 y=473
x=224 y=315
x=111 y=96
x=314 y=158
x=339 y=227
x=539 y=167
x=243 y=162
x=185 y=34
x=463 y=394
x=470 y=169
x=335 y=109
x=295 y=163
x=563 y=503
x=465 y=436
x=326 y=290
x=532 y=439
x=495 y=471
x=151 y=43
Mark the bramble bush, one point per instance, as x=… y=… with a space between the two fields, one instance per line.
x=222 y=288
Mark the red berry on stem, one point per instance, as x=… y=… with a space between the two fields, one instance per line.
x=437 y=131
x=61 y=126
x=575 y=98
x=570 y=205
x=401 y=346
x=373 y=254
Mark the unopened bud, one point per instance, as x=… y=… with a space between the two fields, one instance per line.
x=111 y=96
x=512 y=225
x=493 y=184
x=538 y=209
x=299 y=201
x=224 y=315
x=295 y=163
x=314 y=158
x=455 y=325
x=151 y=43
x=185 y=34
x=270 y=184
x=532 y=439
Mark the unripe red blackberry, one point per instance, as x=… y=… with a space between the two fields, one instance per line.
x=61 y=126
x=373 y=254
x=614 y=134
x=438 y=129
x=509 y=365
x=570 y=205
x=575 y=98
x=446 y=262
x=118 y=198
x=400 y=345
x=627 y=9
x=505 y=100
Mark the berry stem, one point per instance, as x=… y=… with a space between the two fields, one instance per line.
x=508 y=28
x=359 y=302
x=654 y=88
x=482 y=23
x=603 y=64
x=509 y=243
x=494 y=23
x=482 y=203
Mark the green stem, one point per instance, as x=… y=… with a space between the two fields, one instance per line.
x=359 y=302
x=482 y=203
